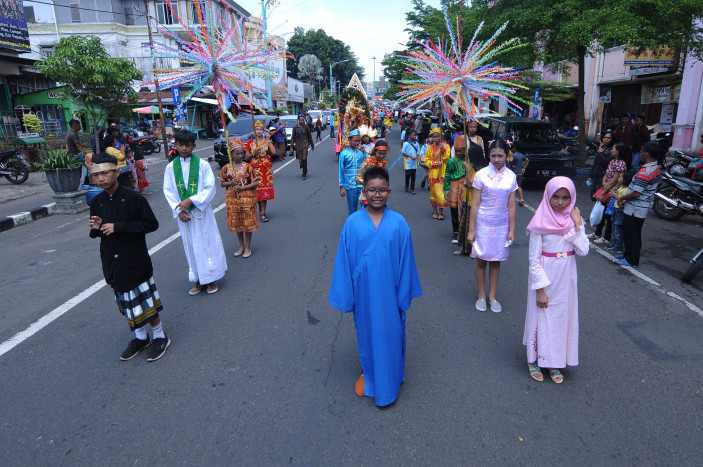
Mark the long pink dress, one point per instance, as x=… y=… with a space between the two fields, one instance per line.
x=492 y=221
x=552 y=333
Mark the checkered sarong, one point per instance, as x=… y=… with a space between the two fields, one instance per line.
x=140 y=305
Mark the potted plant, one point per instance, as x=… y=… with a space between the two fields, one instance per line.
x=63 y=170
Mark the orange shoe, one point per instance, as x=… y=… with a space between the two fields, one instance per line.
x=359 y=386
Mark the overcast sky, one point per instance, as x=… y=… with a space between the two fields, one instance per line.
x=370 y=27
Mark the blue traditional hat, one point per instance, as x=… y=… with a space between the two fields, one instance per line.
x=355 y=132
x=301 y=115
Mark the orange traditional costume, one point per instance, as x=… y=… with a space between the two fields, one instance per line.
x=241 y=207
x=262 y=162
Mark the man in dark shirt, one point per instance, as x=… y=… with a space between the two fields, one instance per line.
x=626 y=131
x=302 y=138
x=642 y=135
x=279 y=138
x=73 y=145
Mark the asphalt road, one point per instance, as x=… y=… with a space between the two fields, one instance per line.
x=263 y=371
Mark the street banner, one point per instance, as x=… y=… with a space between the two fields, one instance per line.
x=177 y=103
x=667 y=94
x=13 y=26
x=535 y=108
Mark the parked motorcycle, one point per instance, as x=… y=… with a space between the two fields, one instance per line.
x=696 y=267
x=677 y=196
x=14 y=166
x=678 y=165
x=142 y=144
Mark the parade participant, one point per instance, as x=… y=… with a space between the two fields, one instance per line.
x=375 y=276
x=350 y=159
x=551 y=323
x=436 y=157
x=189 y=187
x=318 y=129
x=125 y=177
x=472 y=164
x=454 y=183
x=122 y=218
x=380 y=128
x=302 y=138
x=638 y=200
x=258 y=153
x=411 y=152
x=492 y=224
x=240 y=181
x=366 y=144
x=279 y=138
x=377 y=158
x=472 y=129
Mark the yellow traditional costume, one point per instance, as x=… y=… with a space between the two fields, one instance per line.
x=436 y=160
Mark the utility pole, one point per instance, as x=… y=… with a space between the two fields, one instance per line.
x=156 y=82
x=331 y=65
x=373 y=83
x=264 y=4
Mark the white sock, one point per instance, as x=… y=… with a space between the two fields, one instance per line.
x=140 y=333
x=157 y=331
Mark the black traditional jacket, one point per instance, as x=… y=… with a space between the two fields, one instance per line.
x=124 y=254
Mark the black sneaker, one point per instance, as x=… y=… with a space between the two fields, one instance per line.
x=406 y=189
x=133 y=348
x=158 y=348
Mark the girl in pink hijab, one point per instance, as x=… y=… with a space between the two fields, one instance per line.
x=551 y=324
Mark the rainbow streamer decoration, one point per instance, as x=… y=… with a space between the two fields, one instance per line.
x=218 y=52
x=442 y=71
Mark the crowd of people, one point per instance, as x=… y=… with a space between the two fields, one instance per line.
x=476 y=178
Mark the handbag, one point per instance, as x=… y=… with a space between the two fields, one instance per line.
x=597 y=213
x=603 y=196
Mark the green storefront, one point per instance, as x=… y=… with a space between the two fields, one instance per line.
x=53 y=108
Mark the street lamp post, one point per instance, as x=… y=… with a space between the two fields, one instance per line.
x=373 y=83
x=331 y=65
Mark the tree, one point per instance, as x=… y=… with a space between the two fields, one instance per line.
x=328 y=49
x=309 y=68
x=90 y=75
x=561 y=31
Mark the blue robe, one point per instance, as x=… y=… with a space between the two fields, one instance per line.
x=375 y=276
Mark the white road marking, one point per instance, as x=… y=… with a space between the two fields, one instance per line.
x=62 y=309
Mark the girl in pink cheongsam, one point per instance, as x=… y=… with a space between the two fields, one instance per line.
x=492 y=224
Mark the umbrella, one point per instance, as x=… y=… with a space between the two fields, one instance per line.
x=152 y=109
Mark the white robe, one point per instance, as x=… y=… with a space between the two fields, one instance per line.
x=200 y=235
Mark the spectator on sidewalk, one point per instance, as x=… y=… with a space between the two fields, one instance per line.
x=638 y=201
x=625 y=132
x=642 y=135
x=73 y=144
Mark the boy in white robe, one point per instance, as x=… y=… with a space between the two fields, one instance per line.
x=189 y=187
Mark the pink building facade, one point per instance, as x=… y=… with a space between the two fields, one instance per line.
x=664 y=93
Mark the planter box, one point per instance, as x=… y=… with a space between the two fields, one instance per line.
x=70 y=203
x=67 y=181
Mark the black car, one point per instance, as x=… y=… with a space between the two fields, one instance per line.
x=540 y=144
x=241 y=128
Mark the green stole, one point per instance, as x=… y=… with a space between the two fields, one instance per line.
x=186 y=191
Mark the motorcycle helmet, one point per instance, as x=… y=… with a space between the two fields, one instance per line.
x=678 y=170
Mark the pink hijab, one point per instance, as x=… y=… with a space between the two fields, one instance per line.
x=548 y=221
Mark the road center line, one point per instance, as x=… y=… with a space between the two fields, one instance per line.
x=62 y=309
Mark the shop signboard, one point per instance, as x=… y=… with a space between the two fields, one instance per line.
x=660 y=56
x=295 y=92
x=13 y=26
x=665 y=94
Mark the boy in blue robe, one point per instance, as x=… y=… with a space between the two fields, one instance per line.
x=375 y=276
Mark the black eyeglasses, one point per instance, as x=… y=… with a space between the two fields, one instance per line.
x=381 y=191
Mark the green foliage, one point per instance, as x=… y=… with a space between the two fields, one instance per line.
x=327 y=49
x=32 y=123
x=57 y=159
x=310 y=68
x=103 y=83
x=349 y=95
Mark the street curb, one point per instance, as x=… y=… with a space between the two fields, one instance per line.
x=22 y=218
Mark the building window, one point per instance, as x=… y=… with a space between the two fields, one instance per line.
x=129 y=13
x=29 y=14
x=164 y=14
x=46 y=50
x=75 y=8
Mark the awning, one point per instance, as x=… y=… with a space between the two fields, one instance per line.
x=28 y=141
x=205 y=101
x=152 y=109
